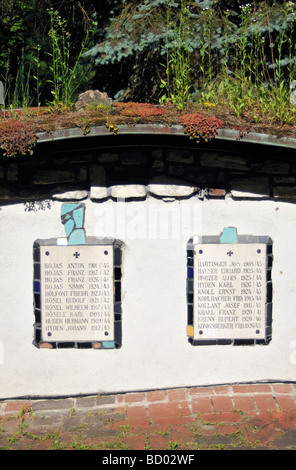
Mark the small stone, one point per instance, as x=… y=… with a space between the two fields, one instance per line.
x=92 y=99
x=128 y=191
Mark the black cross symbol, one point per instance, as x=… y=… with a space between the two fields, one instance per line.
x=76 y=254
x=230 y=253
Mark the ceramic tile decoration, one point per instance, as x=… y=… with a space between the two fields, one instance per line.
x=77 y=287
x=77 y=290
x=229 y=290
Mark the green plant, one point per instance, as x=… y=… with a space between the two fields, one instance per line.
x=177 y=83
x=199 y=127
x=37 y=76
x=57 y=443
x=111 y=126
x=16 y=138
x=67 y=74
x=173 y=445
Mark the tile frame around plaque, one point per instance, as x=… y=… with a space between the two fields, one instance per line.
x=243 y=239
x=38 y=341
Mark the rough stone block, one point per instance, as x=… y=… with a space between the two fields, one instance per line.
x=180 y=156
x=12 y=172
x=70 y=195
x=81 y=174
x=133 y=158
x=249 y=187
x=98 y=188
x=168 y=187
x=285 y=192
x=284 y=179
x=54 y=176
x=234 y=162
x=128 y=191
x=276 y=166
x=108 y=158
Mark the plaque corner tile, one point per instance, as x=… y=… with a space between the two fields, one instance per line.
x=229 y=235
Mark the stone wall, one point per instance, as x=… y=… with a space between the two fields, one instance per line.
x=135 y=188
x=136 y=172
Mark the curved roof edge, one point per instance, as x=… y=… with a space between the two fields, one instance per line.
x=158 y=129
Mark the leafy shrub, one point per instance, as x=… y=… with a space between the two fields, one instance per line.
x=200 y=127
x=16 y=138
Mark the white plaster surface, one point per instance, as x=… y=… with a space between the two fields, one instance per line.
x=155 y=352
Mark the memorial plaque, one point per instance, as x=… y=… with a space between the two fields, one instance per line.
x=230 y=291
x=77 y=293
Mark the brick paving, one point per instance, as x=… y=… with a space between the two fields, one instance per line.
x=232 y=417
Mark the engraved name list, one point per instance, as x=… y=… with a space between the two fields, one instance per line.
x=230 y=291
x=77 y=293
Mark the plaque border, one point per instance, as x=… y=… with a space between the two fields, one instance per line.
x=38 y=341
x=243 y=239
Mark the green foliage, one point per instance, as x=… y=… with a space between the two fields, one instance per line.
x=232 y=52
x=177 y=81
x=66 y=79
x=25 y=45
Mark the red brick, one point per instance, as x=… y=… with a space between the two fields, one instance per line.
x=282 y=388
x=136 y=411
x=201 y=391
x=221 y=389
x=201 y=405
x=221 y=403
x=158 y=395
x=221 y=417
x=286 y=420
x=168 y=409
x=216 y=192
x=134 y=397
x=17 y=406
x=286 y=403
x=120 y=410
x=252 y=388
x=177 y=395
x=120 y=398
x=137 y=415
x=265 y=402
x=244 y=403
